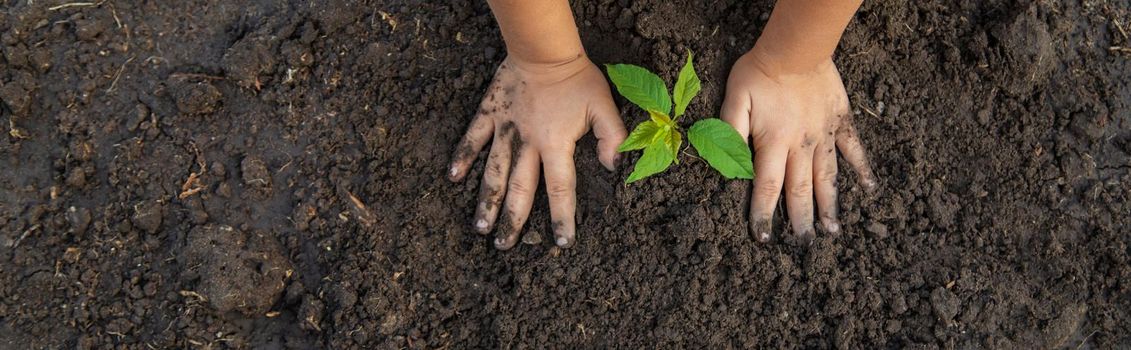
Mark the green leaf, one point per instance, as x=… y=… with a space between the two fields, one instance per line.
x=686 y=87
x=640 y=137
x=673 y=141
x=657 y=157
x=661 y=119
x=722 y=147
x=669 y=133
x=641 y=87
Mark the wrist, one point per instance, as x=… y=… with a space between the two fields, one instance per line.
x=779 y=66
x=547 y=69
x=544 y=56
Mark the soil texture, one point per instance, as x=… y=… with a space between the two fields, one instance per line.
x=271 y=174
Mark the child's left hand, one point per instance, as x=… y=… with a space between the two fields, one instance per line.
x=797 y=119
x=533 y=114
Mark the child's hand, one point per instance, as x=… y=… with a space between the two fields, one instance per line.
x=533 y=113
x=797 y=120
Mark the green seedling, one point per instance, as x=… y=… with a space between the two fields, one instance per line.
x=661 y=137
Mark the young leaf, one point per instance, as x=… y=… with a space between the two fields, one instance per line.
x=673 y=141
x=686 y=87
x=640 y=137
x=722 y=147
x=641 y=87
x=656 y=158
x=661 y=119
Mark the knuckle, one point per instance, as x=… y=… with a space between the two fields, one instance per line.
x=559 y=189
x=520 y=188
x=556 y=142
x=801 y=189
x=827 y=176
x=494 y=171
x=846 y=130
x=765 y=136
x=766 y=189
x=490 y=194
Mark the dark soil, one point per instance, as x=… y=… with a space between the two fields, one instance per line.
x=271 y=174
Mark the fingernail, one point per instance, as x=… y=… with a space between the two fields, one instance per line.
x=869 y=184
x=563 y=233
x=481 y=224
x=806 y=235
x=505 y=243
x=616 y=161
x=453 y=172
x=833 y=227
x=760 y=228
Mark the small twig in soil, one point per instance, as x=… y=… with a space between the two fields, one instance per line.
x=684 y=152
x=361 y=211
x=195 y=75
x=356 y=202
x=385 y=16
x=154 y=60
x=1120 y=49
x=192 y=184
x=291 y=160
x=124 y=28
x=189 y=293
x=59 y=268
x=1122 y=32
x=190 y=187
x=119 y=74
x=26 y=233
x=115 y=15
x=310 y=320
x=1085 y=341
x=865 y=52
x=16 y=132
x=74 y=4
x=868 y=110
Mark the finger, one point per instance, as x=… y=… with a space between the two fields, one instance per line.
x=736 y=112
x=520 y=194
x=848 y=141
x=561 y=188
x=824 y=186
x=799 y=190
x=610 y=132
x=478 y=133
x=769 y=164
x=495 y=176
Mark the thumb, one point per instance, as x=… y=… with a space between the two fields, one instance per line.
x=609 y=129
x=736 y=112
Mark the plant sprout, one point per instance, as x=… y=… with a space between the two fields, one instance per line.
x=661 y=137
